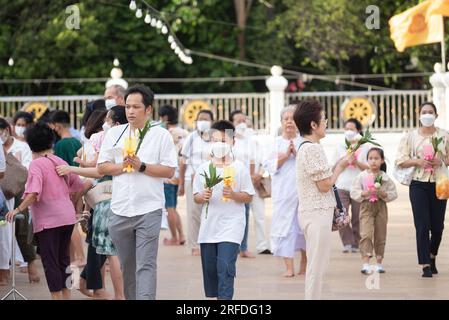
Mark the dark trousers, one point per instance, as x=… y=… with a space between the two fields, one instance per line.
x=54 y=247
x=218 y=261
x=428 y=215
x=92 y=270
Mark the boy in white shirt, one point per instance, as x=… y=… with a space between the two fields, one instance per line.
x=222 y=229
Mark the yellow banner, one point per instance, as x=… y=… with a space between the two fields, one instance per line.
x=419 y=25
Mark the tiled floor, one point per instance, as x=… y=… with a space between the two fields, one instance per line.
x=179 y=274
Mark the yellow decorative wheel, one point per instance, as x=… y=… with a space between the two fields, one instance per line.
x=37 y=108
x=361 y=109
x=190 y=111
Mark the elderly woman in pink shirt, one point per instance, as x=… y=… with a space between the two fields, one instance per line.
x=51 y=199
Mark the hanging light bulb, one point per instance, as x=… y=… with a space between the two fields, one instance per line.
x=189 y=60
x=11 y=62
x=164 y=29
x=116 y=62
x=153 y=22
x=139 y=13
x=147 y=18
x=173 y=45
x=170 y=39
x=159 y=24
x=132 y=5
x=177 y=50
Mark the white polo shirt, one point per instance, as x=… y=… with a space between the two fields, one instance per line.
x=136 y=193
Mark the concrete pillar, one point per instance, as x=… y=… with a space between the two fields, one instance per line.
x=440 y=94
x=276 y=84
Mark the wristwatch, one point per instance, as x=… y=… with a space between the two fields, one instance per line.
x=143 y=166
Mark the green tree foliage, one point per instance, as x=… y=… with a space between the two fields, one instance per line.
x=313 y=36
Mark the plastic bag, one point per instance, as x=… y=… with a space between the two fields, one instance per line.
x=442 y=183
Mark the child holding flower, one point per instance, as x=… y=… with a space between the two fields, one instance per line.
x=223 y=186
x=373 y=188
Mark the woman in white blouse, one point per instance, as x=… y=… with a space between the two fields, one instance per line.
x=315 y=179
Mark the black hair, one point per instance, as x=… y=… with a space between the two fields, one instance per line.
x=170 y=112
x=306 y=112
x=357 y=123
x=61 y=117
x=234 y=113
x=39 y=137
x=91 y=107
x=428 y=103
x=383 y=166
x=28 y=117
x=145 y=92
x=95 y=122
x=5 y=125
x=207 y=112
x=118 y=114
x=224 y=126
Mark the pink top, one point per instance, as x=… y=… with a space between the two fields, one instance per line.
x=97 y=140
x=53 y=207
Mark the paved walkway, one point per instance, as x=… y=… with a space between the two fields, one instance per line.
x=179 y=274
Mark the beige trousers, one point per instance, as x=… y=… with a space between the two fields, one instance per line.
x=317 y=228
x=373 y=228
x=193 y=216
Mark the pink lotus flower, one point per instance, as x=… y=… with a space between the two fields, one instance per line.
x=429 y=154
x=370 y=186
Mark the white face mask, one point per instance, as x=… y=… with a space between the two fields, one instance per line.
x=350 y=135
x=110 y=103
x=19 y=131
x=3 y=138
x=241 y=128
x=427 y=120
x=220 y=149
x=106 y=126
x=203 y=126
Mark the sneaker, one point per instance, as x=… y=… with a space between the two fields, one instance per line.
x=380 y=269
x=355 y=250
x=426 y=272
x=365 y=269
x=433 y=266
x=347 y=248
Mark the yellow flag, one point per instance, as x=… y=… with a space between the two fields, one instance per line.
x=439 y=7
x=418 y=25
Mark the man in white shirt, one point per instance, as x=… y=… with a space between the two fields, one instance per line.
x=137 y=196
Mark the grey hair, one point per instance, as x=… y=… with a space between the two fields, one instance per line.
x=289 y=108
x=119 y=90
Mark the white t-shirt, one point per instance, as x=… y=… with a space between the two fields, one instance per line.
x=136 y=193
x=225 y=220
x=195 y=152
x=347 y=177
x=242 y=150
x=22 y=152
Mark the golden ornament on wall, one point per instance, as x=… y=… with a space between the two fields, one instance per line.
x=359 y=108
x=190 y=111
x=36 y=108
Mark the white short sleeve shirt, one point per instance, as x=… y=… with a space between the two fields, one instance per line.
x=136 y=193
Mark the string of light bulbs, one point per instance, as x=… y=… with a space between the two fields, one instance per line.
x=155 y=19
